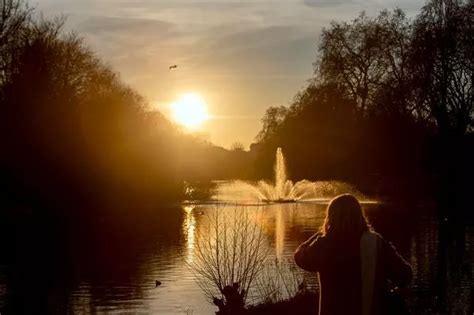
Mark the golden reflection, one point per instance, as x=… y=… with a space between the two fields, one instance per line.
x=189 y=231
x=279 y=233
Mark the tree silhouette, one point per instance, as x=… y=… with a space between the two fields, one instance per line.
x=442 y=64
x=365 y=56
x=74 y=135
x=384 y=88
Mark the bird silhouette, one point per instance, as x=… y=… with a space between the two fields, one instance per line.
x=173 y=67
x=157 y=283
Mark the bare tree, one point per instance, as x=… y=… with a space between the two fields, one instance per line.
x=365 y=56
x=442 y=63
x=15 y=19
x=229 y=255
x=279 y=281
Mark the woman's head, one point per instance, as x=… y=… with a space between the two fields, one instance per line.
x=345 y=218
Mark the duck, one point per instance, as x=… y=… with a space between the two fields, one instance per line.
x=157 y=283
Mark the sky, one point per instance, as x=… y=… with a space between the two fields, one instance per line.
x=241 y=57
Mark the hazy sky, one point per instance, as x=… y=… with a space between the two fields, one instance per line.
x=240 y=56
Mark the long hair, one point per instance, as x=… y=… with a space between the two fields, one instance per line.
x=345 y=218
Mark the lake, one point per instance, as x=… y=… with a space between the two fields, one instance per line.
x=116 y=273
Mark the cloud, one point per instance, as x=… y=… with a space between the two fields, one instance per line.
x=326 y=3
x=130 y=44
x=129 y=26
x=273 y=51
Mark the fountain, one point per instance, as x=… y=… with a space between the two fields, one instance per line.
x=282 y=190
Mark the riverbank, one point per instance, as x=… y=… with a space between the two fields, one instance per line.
x=302 y=304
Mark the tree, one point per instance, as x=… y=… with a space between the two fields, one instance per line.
x=365 y=57
x=237 y=146
x=72 y=132
x=442 y=63
x=15 y=20
x=373 y=95
x=274 y=117
x=229 y=257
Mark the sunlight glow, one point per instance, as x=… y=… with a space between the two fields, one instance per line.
x=190 y=110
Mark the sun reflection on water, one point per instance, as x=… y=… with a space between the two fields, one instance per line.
x=279 y=233
x=189 y=231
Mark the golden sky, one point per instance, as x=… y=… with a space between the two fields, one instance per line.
x=240 y=56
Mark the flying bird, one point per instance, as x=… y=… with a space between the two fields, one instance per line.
x=173 y=67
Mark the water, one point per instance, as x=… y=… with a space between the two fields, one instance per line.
x=115 y=274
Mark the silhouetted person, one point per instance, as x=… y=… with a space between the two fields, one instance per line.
x=354 y=263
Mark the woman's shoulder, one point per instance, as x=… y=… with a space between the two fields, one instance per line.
x=380 y=239
x=371 y=235
x=374 y=233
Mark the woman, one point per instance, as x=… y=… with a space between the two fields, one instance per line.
x=353 y=262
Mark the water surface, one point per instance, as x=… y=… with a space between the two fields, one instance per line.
x=115 y=274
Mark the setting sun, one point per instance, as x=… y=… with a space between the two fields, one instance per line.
x=190 y=110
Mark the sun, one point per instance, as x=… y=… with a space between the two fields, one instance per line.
x=190 y=111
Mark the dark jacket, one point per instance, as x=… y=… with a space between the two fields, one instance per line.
x=338 y=263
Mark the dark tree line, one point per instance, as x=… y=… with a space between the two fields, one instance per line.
x=73 y=135
x=390 y=106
